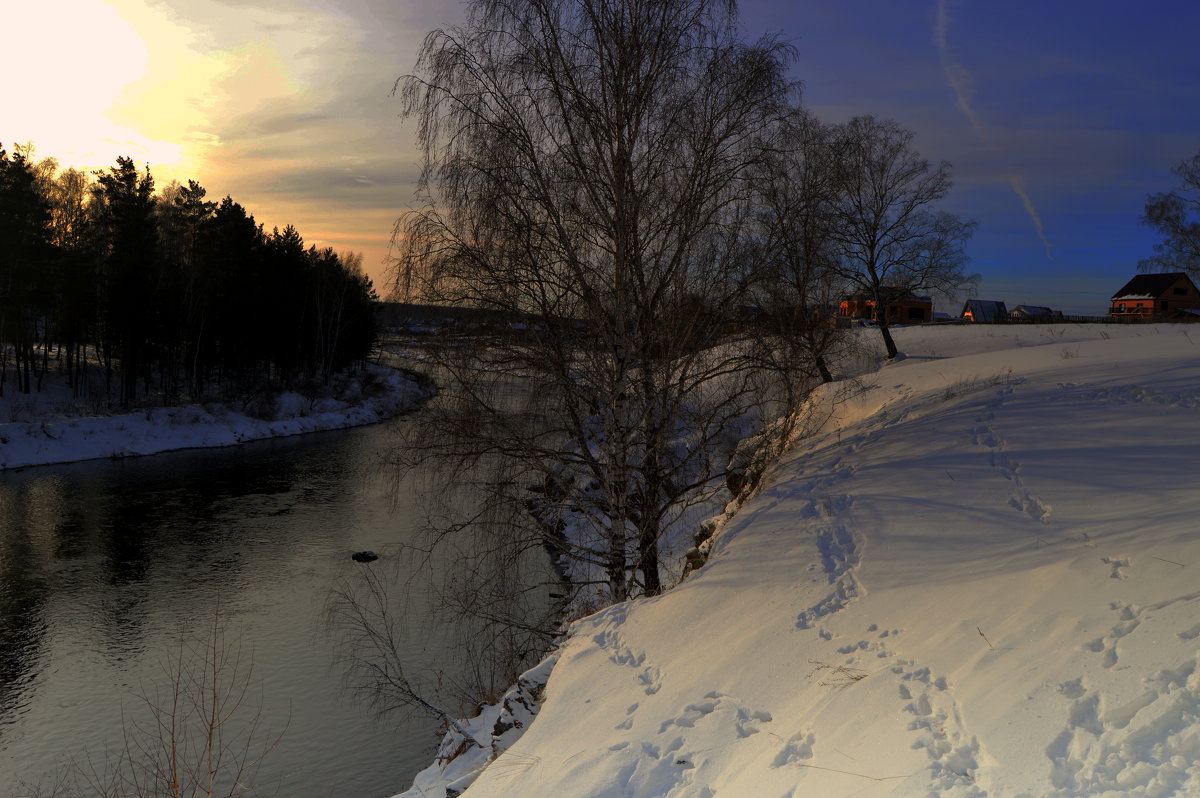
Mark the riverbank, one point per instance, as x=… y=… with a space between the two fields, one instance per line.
x=45 y=428
x=977 y=578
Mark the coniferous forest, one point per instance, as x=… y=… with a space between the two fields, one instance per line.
x=133 y=293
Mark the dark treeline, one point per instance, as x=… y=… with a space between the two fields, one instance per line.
x=129 y=291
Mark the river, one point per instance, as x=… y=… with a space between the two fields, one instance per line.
x=104 y=564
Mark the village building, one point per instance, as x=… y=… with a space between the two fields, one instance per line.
x=1034 y=313
x=1159 y=296
x=900 y=307
x=984 y=311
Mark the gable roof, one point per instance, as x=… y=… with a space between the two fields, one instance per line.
x=985 y=310
x=1149 y=286
x=889 y=294
x=1034 y=310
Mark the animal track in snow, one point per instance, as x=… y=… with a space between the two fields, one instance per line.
x=667 y=765
x=691 y=714
x=795 y=751
x=840 y=549
x=648 y=675
x=1190 y=634
x=1129 y=618
x=1020 y=498
x=953 y=753
x=934 y=714
x=745 y=721
x=877 y=647
x=1117 y=564
x=748 y=722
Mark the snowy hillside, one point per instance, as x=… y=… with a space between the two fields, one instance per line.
x=982 y=577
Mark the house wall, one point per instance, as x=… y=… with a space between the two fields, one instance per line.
x=1179 y=296
x=857 y=309
x=902 y=312
x=1132 y=307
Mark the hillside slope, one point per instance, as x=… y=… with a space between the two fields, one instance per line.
x=979 y=578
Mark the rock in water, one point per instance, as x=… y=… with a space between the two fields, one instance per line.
x=364 y=556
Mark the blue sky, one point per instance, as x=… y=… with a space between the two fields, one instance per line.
x=1083 y=107
x=1059 y=113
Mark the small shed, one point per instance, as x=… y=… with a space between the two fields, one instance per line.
x=985 y=311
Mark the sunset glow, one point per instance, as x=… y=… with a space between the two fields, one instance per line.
x=82 y=98
x=1072 y=116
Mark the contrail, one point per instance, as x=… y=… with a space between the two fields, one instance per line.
x=1018 y=185
x=960 y=82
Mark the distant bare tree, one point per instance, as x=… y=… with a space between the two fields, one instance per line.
x=591 y=173
x=799 y=189
x=890 y=241
x=1175 y=216
x=69 y=193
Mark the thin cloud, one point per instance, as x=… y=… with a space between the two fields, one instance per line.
x=960 y=81
x=1018 y=185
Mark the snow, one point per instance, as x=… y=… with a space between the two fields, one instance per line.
x=49 y=428
x=977 y=577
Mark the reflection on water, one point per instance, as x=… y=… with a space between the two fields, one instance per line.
x=104 y=564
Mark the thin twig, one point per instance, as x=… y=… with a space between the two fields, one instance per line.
x=852 y=773
x=989 y=642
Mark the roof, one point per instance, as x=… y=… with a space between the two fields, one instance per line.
x=985 y=310
x=1149 y=286
x=1034 y=310
x=889 y=294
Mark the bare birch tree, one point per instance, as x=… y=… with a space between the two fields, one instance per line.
x=799 y=188
x=590 y=172
x=890 y=240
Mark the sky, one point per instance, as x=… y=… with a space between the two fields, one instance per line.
x=1058 y=117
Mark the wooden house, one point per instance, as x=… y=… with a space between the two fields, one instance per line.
x=985 y=311
x=1034 y=313
x=899 y=307
x=1158 y=296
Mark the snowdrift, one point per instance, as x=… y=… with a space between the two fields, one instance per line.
x=980 y=577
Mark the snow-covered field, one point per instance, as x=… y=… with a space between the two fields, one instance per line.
x=45 y=428
x=980 y=577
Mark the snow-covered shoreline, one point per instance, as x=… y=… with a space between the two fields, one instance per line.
x=51 y=438
x=974 y=580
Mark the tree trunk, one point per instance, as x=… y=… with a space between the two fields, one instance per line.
x=823 y=368
x=648 y=560
x=887 y=338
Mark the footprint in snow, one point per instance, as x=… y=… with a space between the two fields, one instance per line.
x=1118 y=564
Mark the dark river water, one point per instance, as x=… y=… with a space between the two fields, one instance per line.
x=105 y=564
